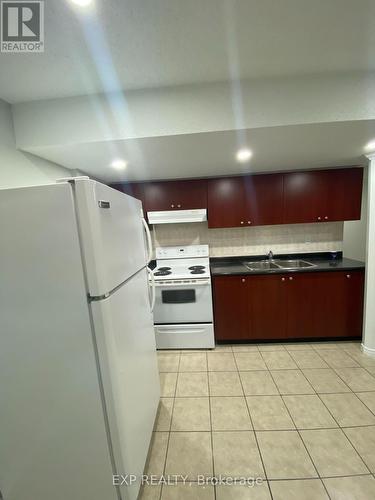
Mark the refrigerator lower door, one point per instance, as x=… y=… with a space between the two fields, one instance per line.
x=128 y=363
x=112 y=235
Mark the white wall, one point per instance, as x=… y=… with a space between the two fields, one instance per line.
x=355 y=232
x=18 y=168
x=369 y=322
x=194 y=109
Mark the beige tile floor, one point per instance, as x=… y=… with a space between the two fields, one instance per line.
x=299 y=417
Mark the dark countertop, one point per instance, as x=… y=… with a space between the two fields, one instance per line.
x=222 y=266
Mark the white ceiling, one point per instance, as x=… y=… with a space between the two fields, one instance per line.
x=152 y=43
x=213 y=154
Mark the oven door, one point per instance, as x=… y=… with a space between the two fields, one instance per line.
x=187 y=302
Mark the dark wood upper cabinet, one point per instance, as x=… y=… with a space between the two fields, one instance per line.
x=304 y=196
x=323 y=195
x=344 y=198
x=262 y=199
x=264 y=196
x=168 y=195
x=226 y=202
x=245 y=201
x=175 y=195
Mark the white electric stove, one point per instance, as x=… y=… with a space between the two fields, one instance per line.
x=183 y=314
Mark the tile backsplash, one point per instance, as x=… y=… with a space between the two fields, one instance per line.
x=293 y=238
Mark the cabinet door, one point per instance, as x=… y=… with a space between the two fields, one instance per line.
x=355 y=285
x=267 y=297
x=300 y=289
x=345 y=194
x=323 y=195
x=264 y=199
x=330 y=304
x=338 y=304
x=231 y=308
x=176 y=195
x=226 y=202
x=305 y=197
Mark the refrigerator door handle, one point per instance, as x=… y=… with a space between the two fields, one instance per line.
x=153 y=289
x=149 y=240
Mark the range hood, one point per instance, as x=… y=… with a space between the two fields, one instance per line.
x=177 y=216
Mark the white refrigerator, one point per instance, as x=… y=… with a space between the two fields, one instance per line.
x=79 y=385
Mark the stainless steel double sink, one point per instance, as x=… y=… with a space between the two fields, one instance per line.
x=272 y=264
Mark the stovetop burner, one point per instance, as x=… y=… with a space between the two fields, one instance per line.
x=161 y=272
x=179 y=267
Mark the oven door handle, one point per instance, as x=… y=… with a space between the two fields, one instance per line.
x=190 y=331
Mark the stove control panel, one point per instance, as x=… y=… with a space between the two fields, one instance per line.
x=187 y=252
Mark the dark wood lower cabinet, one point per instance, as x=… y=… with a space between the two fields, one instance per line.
x=301 y=297
x=280 y=307
x=231 y=307
x=355 y=303
x=338 y=307
x=267 y=307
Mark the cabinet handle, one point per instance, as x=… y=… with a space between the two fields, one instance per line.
x=242 y=222
x=319 y=218
x=282 y=279
x=243 y=280
x=326 y=217
x=178 y=206
x=291 y=278
x=172 y=206
x=249 y=221
x=348 y=276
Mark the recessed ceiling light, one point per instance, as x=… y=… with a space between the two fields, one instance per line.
x=119 y=164
x=370 y=146
x=244 y=155
x=82 y=3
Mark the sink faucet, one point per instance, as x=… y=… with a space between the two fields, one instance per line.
x=270 y=255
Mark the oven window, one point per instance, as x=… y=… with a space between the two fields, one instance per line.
x=178 y=296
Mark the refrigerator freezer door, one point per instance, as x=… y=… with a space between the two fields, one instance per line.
x=126 y=349
x=112 y=235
